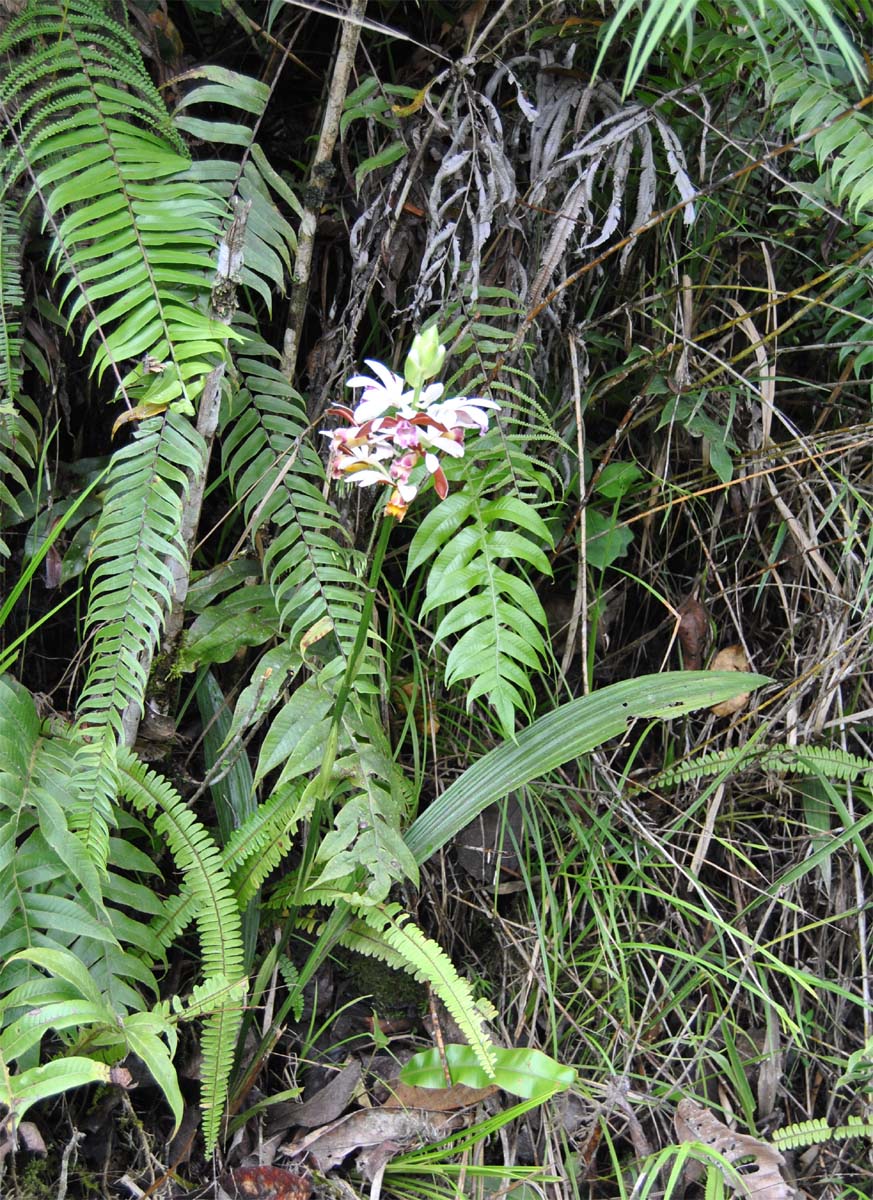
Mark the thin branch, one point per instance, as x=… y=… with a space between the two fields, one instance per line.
x=319 y=177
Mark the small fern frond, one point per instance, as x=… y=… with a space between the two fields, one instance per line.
x=216 y=914
x=248 y=857
x=279 y=478
x=257 y=847
x=496 y=611
x=386 y=932
x=135 y=547
x=827 y=761
x=814 y=1133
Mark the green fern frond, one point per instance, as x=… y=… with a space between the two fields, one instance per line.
x=18 y=436
x=827 y=761
x=216 y=914
x=133 y=236
x=814 y=1133
x=12 y=297
x=279 y=479
x=496 y=611
x=270 y=242
x=367 y=832
x=257 y=847
x=248 y=857
x=135 y=546
x=850 y=321
x=810 y=94
x=386 y=932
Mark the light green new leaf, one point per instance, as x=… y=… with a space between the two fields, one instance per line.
x=19 y=1092
x=522 y=1071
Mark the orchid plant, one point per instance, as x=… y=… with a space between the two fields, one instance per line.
x=401 y=426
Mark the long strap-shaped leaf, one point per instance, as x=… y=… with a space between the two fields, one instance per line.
x=564 y=734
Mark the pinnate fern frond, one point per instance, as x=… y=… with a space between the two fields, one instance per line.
x=814 y=107
x=270 y=242
x=467 y=540
x=814 y=1133
x=279 y=478
x=217 y=916
x=827 y=761
x=248 y=857
x=386 y=932
x=133 y=237
x=19 y=420
x=135 y=546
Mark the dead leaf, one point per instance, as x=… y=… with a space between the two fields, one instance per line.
x=366 y=1129
x=693 y=633
x=695 y=1123
x=448 y=1099
x=141 y=413
x=325 y=1106
x=732 y=658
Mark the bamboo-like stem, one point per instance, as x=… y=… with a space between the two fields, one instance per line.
x=319 y=177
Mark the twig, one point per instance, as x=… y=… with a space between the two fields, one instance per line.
x=70 y=1150
x=319 y=178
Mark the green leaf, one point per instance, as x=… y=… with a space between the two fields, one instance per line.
x=524 y=1072
x=19 y=1092
x=145 y=1033
x=606 y=539
x=571 y=730
x=391 y=153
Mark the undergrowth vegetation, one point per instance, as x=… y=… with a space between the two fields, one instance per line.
x=435 y=528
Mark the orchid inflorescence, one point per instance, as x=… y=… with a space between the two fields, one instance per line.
x=401 y=423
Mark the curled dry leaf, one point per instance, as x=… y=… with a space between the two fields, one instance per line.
x=732 y=658
x=693 y=632
x=760 y=1180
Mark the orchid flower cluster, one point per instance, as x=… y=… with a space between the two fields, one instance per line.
x=400 y=427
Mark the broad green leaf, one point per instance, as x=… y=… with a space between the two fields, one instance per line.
x=571 y=730
x=141 y=1031
x=19 y=1092
x=525 y=1072
x=29 y=1030
x=67 y=966
x=606 y=539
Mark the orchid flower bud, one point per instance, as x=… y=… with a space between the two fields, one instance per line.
x=425 y=358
